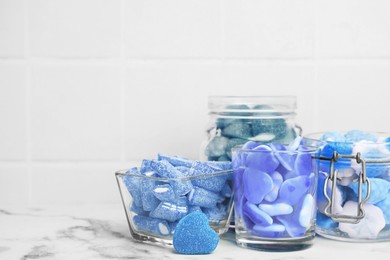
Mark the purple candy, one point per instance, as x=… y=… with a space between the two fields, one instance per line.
x=255 y=214
x=292 y=190
x=303 y=164
x=257 y=184
x=271 y=231
x=277 y=180
x=262 y=159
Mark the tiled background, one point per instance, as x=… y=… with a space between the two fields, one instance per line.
x=91 y=86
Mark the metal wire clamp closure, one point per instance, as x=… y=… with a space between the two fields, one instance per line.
x=332 y=177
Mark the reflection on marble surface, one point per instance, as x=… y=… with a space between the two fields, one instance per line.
x=101 y=232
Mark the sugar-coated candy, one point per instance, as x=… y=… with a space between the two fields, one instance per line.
x=231 y=144
x=378 y=191
x=203 y=198
x=357 y=135
x=276 y=209
x=151 y=225
x=384 y=205
x=194 y=236
x=171 y=211
x=276 y=127
x=325 y=222
x=174 y=160
x=217 y=146
x=333 y=136
x=255 y=214
x=149 y=201
x=169 y=188
x=277 y=180
x=217 y=213
x=368 y=227
x=241 y=130
x=223 y=158
x=256 y=184
x=164 y=192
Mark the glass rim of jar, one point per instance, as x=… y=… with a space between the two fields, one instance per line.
x=258 y=106
x=122 y=173
x=315 y=137
x=310 y=150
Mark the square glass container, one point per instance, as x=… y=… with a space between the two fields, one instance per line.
x=153 y=209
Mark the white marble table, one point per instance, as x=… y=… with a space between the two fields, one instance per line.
x=101 y=232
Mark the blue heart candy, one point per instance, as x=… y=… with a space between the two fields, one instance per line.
x=193 y=235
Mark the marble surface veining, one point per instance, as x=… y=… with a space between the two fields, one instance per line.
x=101 y=232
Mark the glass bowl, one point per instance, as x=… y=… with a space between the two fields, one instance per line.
x=153 y=208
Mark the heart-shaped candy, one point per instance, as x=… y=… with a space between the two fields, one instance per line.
x=193 y=235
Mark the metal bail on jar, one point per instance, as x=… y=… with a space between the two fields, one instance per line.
x=329 y=209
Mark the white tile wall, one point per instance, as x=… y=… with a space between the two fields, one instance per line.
x=12 y=112
x=12 y=28
x=167 y=28
x=269 y=28
x=73 y=28
x=91 y=86
x=75 y=112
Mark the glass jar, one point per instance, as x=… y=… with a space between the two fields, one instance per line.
x=353 y=197
x=235 y=120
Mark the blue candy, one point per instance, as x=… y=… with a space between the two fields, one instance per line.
x=231 y=144
x=292 y=190
x=174 y=160
x=384 y=205
x=149 y=201
x=357 y=135
x=203 y=198
x=171 y=211
x=242 y=131
x=164 y=192
x=193 y=235
x=255 y=214
x=379 y=190
x=217 y=146
x=277 y=180
x=138 y=210
x=325 y=222
x=216 y=214
x=277 y=127
x=257 y=185
x=276 y=209
x=211 y=183
x=145 y=166
x=133 y=185
x=333 y=136
x=262 y=159
x=151 y=225
x=271 y=231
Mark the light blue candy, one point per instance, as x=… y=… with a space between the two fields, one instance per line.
x=306 y=211
x=203 y=198
x=149 y=201
x=242 y=131
x=277 y=180
x=226 y=191
x=255 y=214
x=357 y=135
x=174 y=160
x=172 y=226
x=216 y=214
x=211 y=183
x=276 y=209
x=217 y=146
x=164 y=169
x=333 y=136
x=156 y=227
x=231 y=144
x=164 y=192
x=133 y=185
x=220 y=166
x=379 y=190
x=181 y=187
x=257 y=184
x=145 y=166
x=184 y=170
x=384 y=205
x=138 y=210
x=170 y=211
x=194 y=209
x=325 y=222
